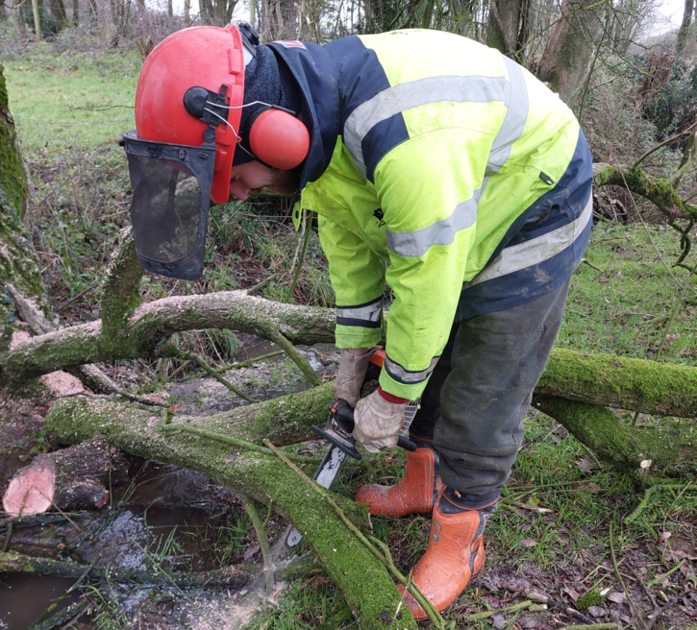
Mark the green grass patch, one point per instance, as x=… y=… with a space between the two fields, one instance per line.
x=67 y=99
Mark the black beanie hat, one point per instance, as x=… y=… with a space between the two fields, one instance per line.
x=269 y=80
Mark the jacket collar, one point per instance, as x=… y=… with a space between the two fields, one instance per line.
x=314 y=70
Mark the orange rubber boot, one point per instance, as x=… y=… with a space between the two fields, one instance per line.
x=416 y=492
x=454 y=555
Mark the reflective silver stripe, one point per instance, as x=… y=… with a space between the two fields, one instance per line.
x=399 y=374
x=368 y=313
x=517 y=106
x=536 y=250
x=399 y=98
x=415 y=244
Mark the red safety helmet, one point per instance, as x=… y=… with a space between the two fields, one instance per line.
x=188 y=110
x=205 y=56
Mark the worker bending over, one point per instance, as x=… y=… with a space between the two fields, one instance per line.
x=437 y=166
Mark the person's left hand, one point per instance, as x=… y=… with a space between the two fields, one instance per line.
x=377 y=422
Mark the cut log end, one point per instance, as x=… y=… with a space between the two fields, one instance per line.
x=31 y=490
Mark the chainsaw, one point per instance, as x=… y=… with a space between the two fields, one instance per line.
x=338 y=431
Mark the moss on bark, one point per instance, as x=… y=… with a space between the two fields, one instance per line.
x=363 y=580
x=12 y=177
x=665 y=389
x=120 y=295
x=671 y=446
x=660 y=191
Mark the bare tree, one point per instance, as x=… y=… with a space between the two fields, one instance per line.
x=685 y=26
x=37 y=20
x=509 y=26
x=567 y=58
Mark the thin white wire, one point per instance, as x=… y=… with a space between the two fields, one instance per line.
x=239 y=141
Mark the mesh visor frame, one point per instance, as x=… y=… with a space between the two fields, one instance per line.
x=166 y=244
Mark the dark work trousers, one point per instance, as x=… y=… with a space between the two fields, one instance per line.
x=475 y=401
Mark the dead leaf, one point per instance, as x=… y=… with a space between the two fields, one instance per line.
x=617 y=597
x=251 y=551
x=596 y=611
x=585 y=464
x=571 y=593
x=498 y=621
x=528 y=542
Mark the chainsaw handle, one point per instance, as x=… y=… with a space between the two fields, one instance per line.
x=343 y=412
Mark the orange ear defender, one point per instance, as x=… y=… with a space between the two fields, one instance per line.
x=279 y=139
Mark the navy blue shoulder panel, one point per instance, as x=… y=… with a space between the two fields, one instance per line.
x=360 y=78
x=380 y=140
x=316 y=74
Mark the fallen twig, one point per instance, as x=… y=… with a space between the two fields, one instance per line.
x=227 y=439
x=490 y=613
x=277 y=337
x=619 y=577
x=170 y=350
x=554 y=603
x=591 y=265
x=659 y=578
x=269 y=567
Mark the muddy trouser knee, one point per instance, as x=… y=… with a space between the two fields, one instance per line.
x=478 y=395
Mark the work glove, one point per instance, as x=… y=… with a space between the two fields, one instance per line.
x=377 y=422
x=351 y=375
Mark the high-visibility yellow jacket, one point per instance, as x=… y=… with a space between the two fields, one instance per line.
x=433 y=157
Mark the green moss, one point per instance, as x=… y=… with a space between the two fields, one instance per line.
x=12 y=177
x=591 y=598
x=368 y=588
x=665 y=389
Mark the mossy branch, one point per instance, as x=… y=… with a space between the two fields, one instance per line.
x=362 y=578
x=608 y=380
x=660 y=191
x=120 y=295
x=671 y=446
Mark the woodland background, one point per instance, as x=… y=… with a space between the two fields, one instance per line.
x=600 y=514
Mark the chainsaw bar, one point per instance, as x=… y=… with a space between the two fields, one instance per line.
x=326 y=473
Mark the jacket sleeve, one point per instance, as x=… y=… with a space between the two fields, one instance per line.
x=428 y=187
x=358 y=278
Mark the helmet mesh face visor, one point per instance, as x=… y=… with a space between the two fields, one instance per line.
x=169 y=210
x=166 y=209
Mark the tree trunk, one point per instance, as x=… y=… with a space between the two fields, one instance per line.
x=187 y=12
x=37 y=20
x=365 y=582
x=16 y=9
x=59 y=14
x=685 y=25
x=19 y=265
x=508 y=26
x=567 y=58
x=76 y=12
x=74 y=478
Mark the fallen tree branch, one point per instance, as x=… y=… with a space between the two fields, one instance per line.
x=608 y=380
x=234 y=576
x=660 y=191
x=151 y=324
x=364 y=580
x=670 y=446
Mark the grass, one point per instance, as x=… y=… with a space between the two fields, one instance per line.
x=81 y=200
x=71 y=99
